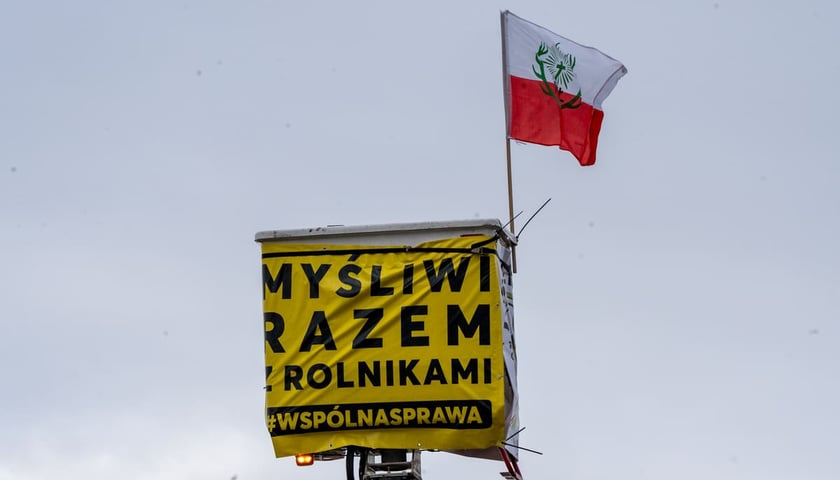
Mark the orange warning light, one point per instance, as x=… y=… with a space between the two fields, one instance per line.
x=304 y=459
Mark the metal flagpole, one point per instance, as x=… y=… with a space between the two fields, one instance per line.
x=510 y=203
x=506 y=88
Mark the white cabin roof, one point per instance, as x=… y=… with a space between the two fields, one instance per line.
x=388 y=234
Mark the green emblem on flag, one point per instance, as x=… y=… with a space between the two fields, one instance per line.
x=561 y=67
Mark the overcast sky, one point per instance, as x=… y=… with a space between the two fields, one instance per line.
x=677 y=304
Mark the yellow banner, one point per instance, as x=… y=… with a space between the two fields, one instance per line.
x=383 y=346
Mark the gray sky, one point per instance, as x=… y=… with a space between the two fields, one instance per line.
x=677 y=304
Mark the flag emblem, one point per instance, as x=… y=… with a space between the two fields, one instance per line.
x=561 y=66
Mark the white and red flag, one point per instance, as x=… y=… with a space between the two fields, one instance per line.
x=554 y=88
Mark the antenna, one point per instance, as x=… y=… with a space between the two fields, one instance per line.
x=515 y=433
x=521 y=448
x=504 y=442
x=512 y=219
x=532 y=217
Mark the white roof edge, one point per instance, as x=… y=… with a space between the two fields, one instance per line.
x=333 y=231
